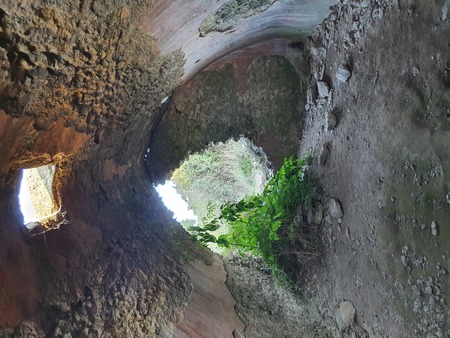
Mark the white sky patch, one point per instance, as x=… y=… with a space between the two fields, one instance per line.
x=26 y=206
x=174 y=202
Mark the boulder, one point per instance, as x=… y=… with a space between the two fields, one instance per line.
x=345 y=315
x=335 y=208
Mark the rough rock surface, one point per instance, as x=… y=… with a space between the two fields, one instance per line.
x=211 y=308
x=389 y=166
x=264 y=108
x=72 y=82
x=335 y=208
x=81 y=84
x=267 y=307
x=345 y=315
x=175 y=25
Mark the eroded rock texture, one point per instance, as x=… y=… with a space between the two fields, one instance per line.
x=81 y=84
x=266 y=306
x=262 y=104
x=76 y=78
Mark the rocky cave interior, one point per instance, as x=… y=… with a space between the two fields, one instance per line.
x=88 y=86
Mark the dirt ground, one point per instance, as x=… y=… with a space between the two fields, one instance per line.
x=388 y=164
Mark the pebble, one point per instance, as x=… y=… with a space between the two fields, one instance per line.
x=318 y=217
x=434 y=230
x=431 y=301
x=414 y=71
x=335 y=208
x=309 y=96
x=323 y=89
x=404 y=260
x=332 y=121
x=342 y=73
x=429 y=290
x=416 y=290
x=324 y=153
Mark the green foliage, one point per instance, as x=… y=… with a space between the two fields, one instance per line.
x=256 y=221
x=224 y=172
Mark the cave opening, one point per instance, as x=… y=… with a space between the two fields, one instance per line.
x=38 y=205
x=35 y=195
x=223 y=172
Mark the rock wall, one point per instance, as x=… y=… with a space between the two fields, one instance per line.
x=266 y=306
x=210 y=311
x=80 y=87
x=262 y=104
x=75 y=80
x=181 y=25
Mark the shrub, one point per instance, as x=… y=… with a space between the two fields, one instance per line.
x=264 y=224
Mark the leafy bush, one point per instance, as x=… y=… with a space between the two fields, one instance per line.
x=263 y=224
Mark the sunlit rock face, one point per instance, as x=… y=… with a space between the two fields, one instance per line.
x=206 y=31
x=81 y=85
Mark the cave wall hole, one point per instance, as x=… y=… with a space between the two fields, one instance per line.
x=263 y=102
x=225 y=172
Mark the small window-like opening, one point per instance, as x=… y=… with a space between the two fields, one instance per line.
x=222 y=173
x=36 y=199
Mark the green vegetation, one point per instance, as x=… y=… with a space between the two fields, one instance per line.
x=264 y=224
x=224 y=186
x=224 y=172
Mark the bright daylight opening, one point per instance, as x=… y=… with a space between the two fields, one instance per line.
x=175 y=202
x=222 y=173
x=36 y=196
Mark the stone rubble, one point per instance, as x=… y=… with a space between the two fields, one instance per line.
x=424 y=295
x=428 y=302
